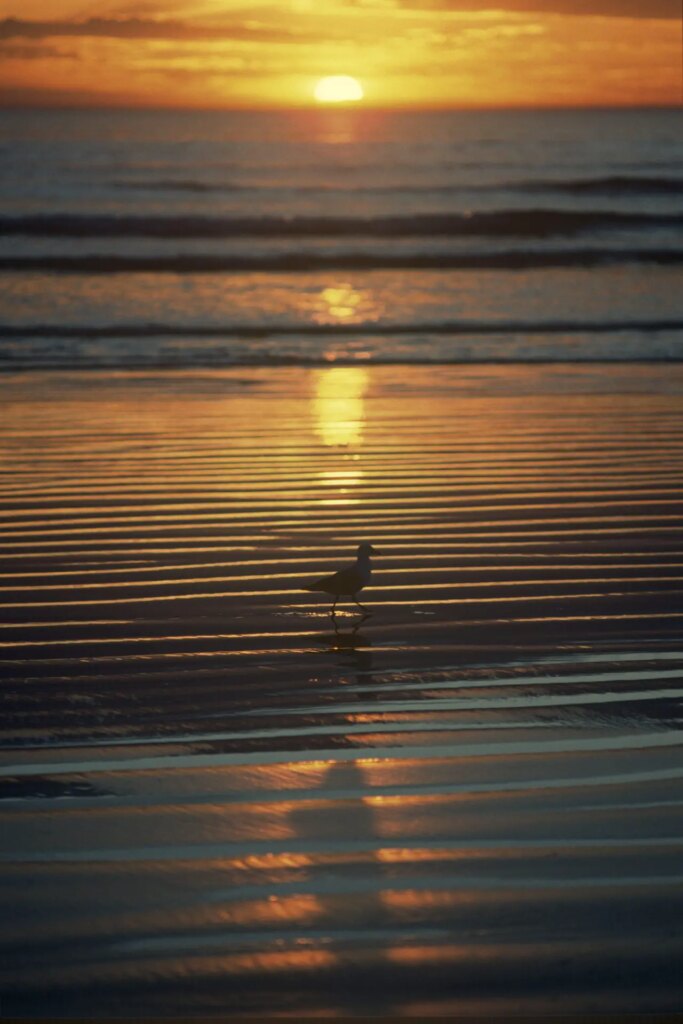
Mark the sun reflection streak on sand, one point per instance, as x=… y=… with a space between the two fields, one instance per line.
x=344 y=809
x=274 y=961
x=339 y=406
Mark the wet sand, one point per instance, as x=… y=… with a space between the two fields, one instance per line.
x=217 y=800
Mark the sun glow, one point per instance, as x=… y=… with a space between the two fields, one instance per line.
x=338 y=89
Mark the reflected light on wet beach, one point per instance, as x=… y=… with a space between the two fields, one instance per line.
x=412 y=955
x=339 y=407
x=279 y=961
x=300 y=909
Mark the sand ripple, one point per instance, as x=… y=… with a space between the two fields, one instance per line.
x=217 y=800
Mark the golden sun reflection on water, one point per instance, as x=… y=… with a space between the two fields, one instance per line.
x=341 y=303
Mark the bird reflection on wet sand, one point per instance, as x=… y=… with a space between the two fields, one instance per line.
x=351 y=645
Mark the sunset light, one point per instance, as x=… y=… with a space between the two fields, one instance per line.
x=338 y=89
x=413 y=54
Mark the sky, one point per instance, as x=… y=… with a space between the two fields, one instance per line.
x=406 y=53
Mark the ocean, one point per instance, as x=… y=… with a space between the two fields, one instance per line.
x=149 y=238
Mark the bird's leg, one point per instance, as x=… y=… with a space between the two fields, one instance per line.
x=361 y=620
x=361 y=606
x=334 y=605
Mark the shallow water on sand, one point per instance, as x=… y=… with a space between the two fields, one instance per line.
x=218 y=799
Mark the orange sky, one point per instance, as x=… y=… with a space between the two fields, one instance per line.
x=264 y=53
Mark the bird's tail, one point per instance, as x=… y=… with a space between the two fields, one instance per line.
x=313 y=586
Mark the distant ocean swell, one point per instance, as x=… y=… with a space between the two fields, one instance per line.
x=615 y=184
x=376 y=329
x=298 y=261
x=611 y=185
x=517 y=223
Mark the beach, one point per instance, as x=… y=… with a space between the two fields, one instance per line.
x=219 y=800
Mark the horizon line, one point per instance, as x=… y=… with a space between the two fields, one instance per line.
x=346 y=107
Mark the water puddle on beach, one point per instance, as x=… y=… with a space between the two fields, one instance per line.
x=218 y=799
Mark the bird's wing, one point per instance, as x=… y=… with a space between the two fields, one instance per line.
x=346 y=581
x=349 y=579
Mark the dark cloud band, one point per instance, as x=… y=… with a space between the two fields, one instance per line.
x=140 y=28
x=669 y=9
x=150 y=28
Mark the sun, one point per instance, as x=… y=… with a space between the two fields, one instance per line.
x=338 y=89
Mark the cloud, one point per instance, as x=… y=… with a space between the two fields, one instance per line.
x=50 y=96
x=144 y=28
x=670 y=9
x=26 y=51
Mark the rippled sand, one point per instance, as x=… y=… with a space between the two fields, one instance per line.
x=216 y=801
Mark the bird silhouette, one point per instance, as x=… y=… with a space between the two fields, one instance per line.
x=349 y=581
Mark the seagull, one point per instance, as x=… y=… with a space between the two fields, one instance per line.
x=350 y=580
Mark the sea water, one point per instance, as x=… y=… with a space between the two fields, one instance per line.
x=165 y=238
